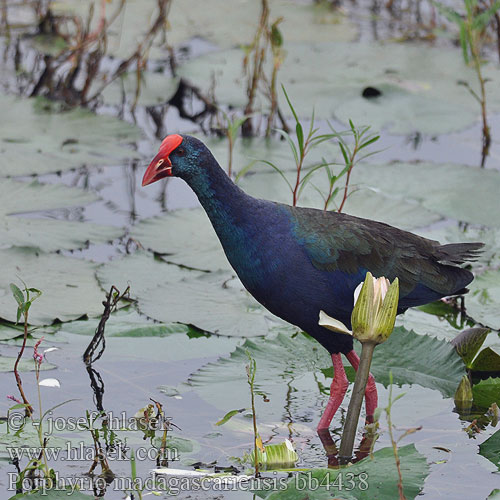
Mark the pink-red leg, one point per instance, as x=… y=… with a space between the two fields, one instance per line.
x=371 y=396
x=337 y=391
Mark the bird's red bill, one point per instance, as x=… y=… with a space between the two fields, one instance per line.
x=161 y=166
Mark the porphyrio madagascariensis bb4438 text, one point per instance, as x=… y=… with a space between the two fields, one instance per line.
x=298 y=261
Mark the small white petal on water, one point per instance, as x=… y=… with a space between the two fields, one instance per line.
x=49 y=382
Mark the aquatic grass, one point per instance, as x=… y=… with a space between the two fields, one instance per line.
x=391 y=428
x=73 y=73
x=472 y=26
x=273 y=456
x=24 y=302
x=25 y=299
x=304 y=144
x=267 y=39
x=258 y=447
x=233 y=125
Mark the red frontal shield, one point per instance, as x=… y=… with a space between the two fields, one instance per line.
x=159 y=169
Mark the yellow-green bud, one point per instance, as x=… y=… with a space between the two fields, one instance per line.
x=463 y=395
x=375 y=310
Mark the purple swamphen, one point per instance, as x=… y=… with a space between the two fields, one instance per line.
x=297 y=261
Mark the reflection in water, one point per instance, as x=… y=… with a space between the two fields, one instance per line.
x=332 y=453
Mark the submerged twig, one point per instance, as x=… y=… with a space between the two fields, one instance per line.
x=112 y=298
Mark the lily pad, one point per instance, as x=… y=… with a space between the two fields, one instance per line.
x=46 y=234
x=213 y=302
x=449 y=193
x=369 y=203
x=69 y=286
x=10 y=331
x=412 y=358
x=420 y=87
x=184 y=237
x=457 y=233
x=36 y=137
x=25 y=365
x=373 y=479
x=483 y=298
x=487 y=392
x=125 y=323
x=418 y=359
x=490 y=449
x=443 y=326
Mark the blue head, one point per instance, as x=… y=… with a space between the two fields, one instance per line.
x=179 y=156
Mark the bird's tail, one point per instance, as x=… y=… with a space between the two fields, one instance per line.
x=458 y=253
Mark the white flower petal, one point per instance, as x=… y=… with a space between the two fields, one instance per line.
x=50 y=349
x=333 y=324
x=49 y=382
x=358 y=291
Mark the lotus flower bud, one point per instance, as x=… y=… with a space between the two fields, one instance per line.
x=375 y=310
x=463 y=395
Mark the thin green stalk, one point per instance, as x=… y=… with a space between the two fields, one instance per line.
x=356 y=402
x=251 y=368
x=29 y=408
x=41 y=439
x=394 y=444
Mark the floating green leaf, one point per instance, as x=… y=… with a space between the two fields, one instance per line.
x=125 y=323
x=69 y=286
x=487 y=392
x=184 y=237
x=469 y=342
x=36 y=137
x=490 y=449
x=374 y=479
x=369 y=202
x=418 y=84
x=486 y=361
x=412 y=182
x=418 y=359
x=229 y=415
x=46 y=234
x=414 y=359
x=213 y=302
x=483 y=298
x=25 y=365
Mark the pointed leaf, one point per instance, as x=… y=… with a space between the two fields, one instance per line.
x=486 y=361
x=487 y=392
x=469 y=342
x=229 y=415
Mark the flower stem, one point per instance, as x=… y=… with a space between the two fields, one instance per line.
x=357 y=396
x=29 y=408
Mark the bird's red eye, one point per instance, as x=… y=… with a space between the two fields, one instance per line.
x=180 y=151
